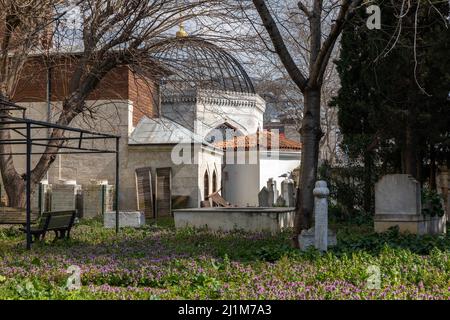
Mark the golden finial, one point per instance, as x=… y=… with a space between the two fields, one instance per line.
x=181 y=33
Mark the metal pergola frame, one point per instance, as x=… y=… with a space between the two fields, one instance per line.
x=25 y=127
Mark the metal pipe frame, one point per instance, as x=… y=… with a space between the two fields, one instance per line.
x=29 y=125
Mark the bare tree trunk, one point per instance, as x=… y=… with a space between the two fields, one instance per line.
x=311 y=134
x=13 y=183
x=310 y=86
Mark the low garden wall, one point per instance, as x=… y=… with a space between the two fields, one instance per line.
x=251 y=219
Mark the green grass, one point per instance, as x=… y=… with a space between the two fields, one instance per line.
x=159 y=262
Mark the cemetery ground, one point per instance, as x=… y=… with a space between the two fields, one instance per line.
x=158 y=262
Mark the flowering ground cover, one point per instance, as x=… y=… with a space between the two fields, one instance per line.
x=157 y=262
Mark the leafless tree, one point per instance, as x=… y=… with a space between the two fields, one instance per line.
x=285 y=97
x=307 y=72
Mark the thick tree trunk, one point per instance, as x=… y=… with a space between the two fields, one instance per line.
x=319 y=55
x=311 y=134
x=13 y=183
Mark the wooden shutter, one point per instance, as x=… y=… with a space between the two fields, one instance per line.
x=144 y=191
x=163 y=193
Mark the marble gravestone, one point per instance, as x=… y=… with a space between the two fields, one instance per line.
x=398 y=203
x=133 y=219
x=280 y=201
x=397 y=194
x=263 y=197
x=319 y=236
x=97 y=199
x=271 y=188
x=276 y=193
x=63 y=196
x=288 y=192
x=321 y=193
x=40 y=196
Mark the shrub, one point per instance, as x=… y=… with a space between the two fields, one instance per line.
x=432 y=203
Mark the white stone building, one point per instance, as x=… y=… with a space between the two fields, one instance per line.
x=180 y=124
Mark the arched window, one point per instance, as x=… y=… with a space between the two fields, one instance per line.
x=206 y=185
x=214 y=182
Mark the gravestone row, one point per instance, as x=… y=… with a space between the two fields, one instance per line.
x=270 y=196
x=89 y=200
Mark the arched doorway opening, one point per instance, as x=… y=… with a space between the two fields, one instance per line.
x=206 y=185
x=214 y=181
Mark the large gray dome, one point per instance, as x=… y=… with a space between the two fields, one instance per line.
x=198 y=64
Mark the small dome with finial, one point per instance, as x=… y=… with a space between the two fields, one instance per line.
x=181 y=33
x=193 y=62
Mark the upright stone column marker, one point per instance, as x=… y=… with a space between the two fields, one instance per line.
x=321 y=193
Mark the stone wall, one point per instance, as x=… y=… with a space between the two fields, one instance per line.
x=241 y=178
x=184 y=177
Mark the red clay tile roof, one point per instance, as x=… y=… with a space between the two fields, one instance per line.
x=265 y=137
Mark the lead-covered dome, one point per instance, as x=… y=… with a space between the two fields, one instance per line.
x=198 y=64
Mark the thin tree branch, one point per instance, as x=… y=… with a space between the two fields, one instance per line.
x=279 y=45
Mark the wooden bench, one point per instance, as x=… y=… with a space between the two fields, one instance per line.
x=60 y=222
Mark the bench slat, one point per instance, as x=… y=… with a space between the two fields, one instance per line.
x=59 y=221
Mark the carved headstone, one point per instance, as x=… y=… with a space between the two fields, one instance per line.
x=397 y=194
x=63 y=197
x=97 y=199
x=280 y=201
x=276 y=192
x=270 y=188
x=321 y=193
x=40 y=196
x=288 y=192
x=319 y=236
x=134 y=219
x=398 y=203
x=307 y=238
x=263 y=197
